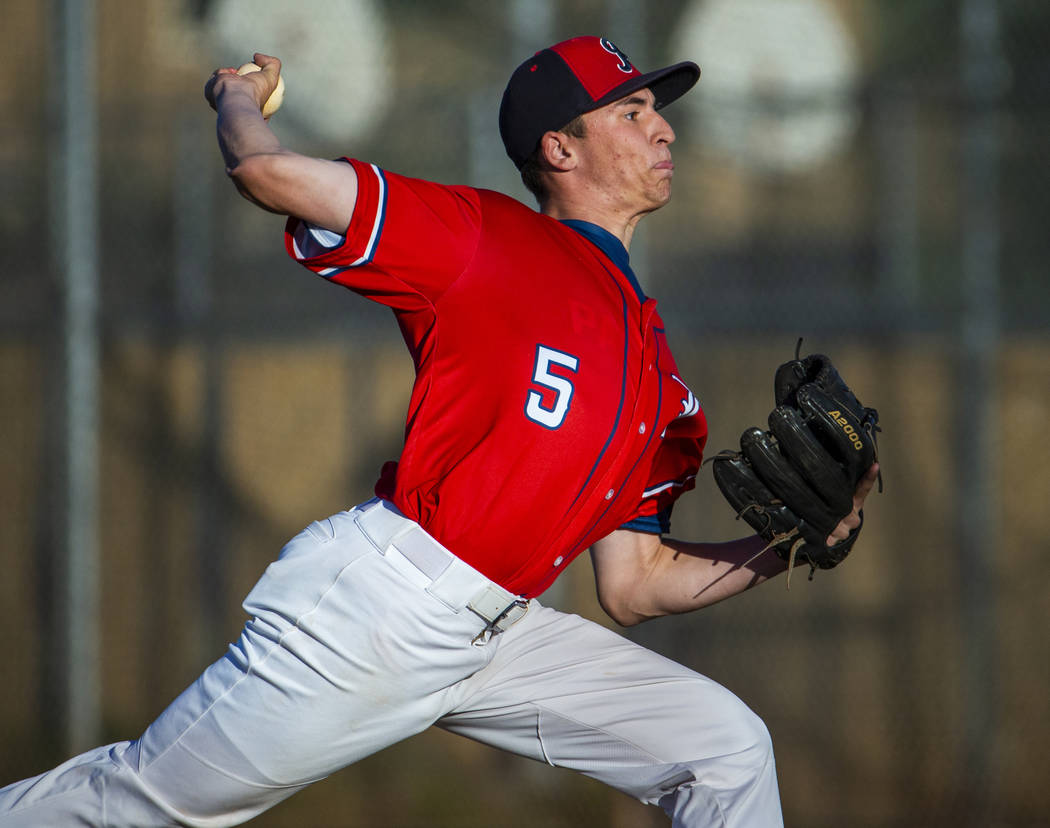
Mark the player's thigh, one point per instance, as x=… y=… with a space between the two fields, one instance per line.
x=343 y=656
x=569 y=692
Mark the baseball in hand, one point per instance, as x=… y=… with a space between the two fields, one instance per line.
x=273 y=103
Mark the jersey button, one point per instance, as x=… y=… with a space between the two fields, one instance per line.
x=558 y=560
x=609 y=494
x=641 y=428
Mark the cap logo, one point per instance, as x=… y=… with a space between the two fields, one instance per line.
x=624 y=64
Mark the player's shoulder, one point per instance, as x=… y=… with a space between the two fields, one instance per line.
x=489 y=199
x=492 y=207
x=503 y=201
x=497 y=204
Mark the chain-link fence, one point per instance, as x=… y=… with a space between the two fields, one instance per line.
x=179 y=398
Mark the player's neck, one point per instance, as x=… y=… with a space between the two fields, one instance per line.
x=622 y=227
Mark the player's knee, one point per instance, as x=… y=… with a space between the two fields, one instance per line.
x=730 y=781
x=739 y=736
x=754 y=731
x=756 y=745
x=760 y=747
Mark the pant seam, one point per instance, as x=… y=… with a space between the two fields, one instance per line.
x=590 y=727
x=709 y=791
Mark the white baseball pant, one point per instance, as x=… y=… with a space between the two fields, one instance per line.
x=360 y=636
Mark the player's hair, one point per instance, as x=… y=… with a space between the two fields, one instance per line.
x=535 y=165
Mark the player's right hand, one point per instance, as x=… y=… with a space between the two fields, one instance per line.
x=260 y=85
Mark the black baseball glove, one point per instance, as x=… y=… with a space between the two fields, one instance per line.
x=795 y=482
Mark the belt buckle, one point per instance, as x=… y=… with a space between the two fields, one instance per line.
x=493 y=626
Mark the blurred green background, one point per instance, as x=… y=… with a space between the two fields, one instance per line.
x=179 y=398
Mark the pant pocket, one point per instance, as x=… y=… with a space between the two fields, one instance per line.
x=307 y=566
x=323 y=531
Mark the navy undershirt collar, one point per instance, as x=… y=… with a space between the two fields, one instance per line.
x=610 y=246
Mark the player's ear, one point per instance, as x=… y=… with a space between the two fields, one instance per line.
x=558 y=150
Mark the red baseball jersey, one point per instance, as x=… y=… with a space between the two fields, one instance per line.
x=547 y=410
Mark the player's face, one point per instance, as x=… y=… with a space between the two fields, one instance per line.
x=626 y=153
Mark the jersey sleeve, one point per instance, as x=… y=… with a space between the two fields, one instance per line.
x=408 y=239
x=658 y=524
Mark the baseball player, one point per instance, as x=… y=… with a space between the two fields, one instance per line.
x=547 y=418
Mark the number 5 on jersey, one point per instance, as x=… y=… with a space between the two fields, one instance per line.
x=554 y=415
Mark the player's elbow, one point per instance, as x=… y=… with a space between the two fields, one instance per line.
x=624 y=563
x=624 y=616
x=618 y=602
x=257 y=178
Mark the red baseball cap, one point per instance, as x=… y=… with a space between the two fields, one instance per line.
x=573 y=77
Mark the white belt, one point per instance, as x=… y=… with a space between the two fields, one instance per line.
x=452 y=581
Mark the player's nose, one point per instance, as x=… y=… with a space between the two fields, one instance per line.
x=662 y=131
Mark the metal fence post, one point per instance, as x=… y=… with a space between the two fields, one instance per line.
x=983 y=75
x=74 y=221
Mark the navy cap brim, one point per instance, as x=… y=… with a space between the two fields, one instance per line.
x=667 y=84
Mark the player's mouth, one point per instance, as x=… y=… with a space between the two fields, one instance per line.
x=664 y=165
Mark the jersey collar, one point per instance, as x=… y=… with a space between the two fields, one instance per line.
x=610 y=246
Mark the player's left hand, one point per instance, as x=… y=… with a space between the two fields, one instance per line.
x=853 y=520
x=802 y=485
